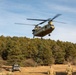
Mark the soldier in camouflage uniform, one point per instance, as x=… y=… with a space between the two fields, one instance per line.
x=51 y=71
x=69 y=69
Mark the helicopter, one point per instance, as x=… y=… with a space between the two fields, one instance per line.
x=46 y=29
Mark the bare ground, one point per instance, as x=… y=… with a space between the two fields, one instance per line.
x=39 y=70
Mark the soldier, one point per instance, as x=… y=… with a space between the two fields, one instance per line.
x=51 y=71
x=69 y=69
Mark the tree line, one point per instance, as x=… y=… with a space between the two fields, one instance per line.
x=26 y=51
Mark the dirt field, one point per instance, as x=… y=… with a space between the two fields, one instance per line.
x=39 y=70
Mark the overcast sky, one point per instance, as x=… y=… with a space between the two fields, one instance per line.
x=16 y=11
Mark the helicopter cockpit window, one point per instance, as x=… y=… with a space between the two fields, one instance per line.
x=33 y=30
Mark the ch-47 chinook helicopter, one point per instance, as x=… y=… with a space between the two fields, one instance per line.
x=46 y=29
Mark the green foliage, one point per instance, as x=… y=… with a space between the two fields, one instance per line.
x=58 y=54
x=20 y=49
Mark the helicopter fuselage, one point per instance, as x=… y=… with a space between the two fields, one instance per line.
x=46 y=29
x=42 y=31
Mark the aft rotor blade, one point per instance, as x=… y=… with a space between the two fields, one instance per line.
x=36 y=19
x=55 y=17
x=25 y=24
x=60 y=22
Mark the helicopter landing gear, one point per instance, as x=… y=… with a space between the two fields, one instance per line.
x=49 y=35
x=33 y=37
x=41 y=38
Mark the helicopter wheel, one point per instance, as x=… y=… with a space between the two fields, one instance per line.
x=49 y=35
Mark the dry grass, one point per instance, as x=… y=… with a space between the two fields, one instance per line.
x=40 y=70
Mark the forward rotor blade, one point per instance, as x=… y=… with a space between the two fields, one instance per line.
x=55 y=17
x=39 y=20
x=41 y=23
x=25 y=24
